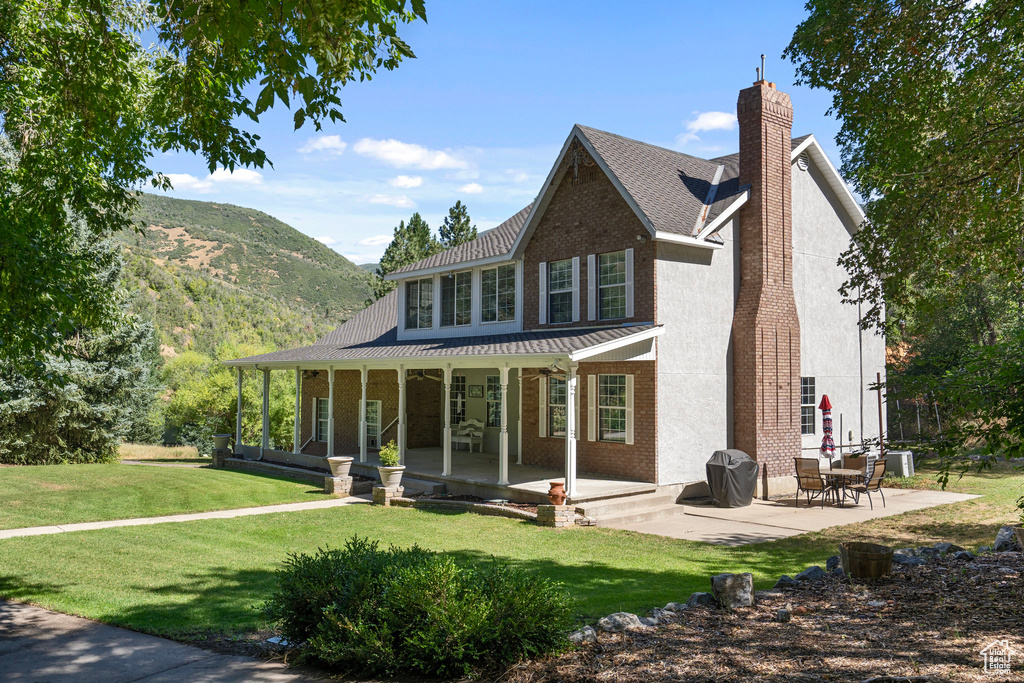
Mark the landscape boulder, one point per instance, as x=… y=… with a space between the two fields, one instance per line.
x=900 y=558
x=675 y=607
x=701 y=600
x=1005 y=540
x=832 y=562
x=587 y=634
x=783 y=615
x=946 y=548
x=733 y=590
x=661 y=615
x=620 y=621
x=786 y=582
x=811 y=574
x=964 y=555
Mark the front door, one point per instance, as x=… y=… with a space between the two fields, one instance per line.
x=373 y=424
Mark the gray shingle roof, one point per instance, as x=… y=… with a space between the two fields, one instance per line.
x=495 y=242
x=366 y=337
x=669 y=187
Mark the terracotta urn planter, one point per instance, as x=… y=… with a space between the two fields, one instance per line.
x=340 y=465
x=556 y=494
x=391 y=477
x=220 y=441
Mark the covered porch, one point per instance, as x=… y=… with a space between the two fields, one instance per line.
x=475 y=474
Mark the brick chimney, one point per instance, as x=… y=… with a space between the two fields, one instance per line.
x=766 y=328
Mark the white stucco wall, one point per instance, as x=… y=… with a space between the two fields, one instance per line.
x=832 y=348
x=696 y=298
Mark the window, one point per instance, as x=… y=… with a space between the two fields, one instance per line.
x=321 y=419
x=611 y=406
x=560 y=291
x=493 y=401
x=456 y=299
x=419 y=304
x=807 y=405
x=556 y=406
x=611 y=286
x=458 y=399
x=498 y=294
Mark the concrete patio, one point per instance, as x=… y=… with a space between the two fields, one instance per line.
x=774 y=519
x=477 y=474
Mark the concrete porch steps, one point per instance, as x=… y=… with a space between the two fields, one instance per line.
x=412 y=484
x=638 y=507
x=643 y=514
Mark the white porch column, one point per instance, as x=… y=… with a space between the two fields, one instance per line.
x=503 y=442
x=330 y=412
x=238 y=416
x=570 y=431
x=401 y=414
x=297 y=444
x=446 y=465
x=266 y=410
x=519 y=435
x=362 y=414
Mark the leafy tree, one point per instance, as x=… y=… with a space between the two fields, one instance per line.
x=98 y=392
x=456 y=228
x=931 y=99
x=85 y=105
x=411 y=243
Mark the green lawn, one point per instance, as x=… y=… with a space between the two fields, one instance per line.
x=186 y=579
x=64 y=494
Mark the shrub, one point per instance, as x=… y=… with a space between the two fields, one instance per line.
x=388 y=455
x=415 y=611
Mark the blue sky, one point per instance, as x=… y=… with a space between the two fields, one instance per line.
x=494 y=91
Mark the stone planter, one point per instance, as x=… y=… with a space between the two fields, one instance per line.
x=220 y=441
x=391 y=477
x=340 y=465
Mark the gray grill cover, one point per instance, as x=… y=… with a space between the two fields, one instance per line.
x=732 y=477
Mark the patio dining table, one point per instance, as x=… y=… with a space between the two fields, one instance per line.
x=837 y=476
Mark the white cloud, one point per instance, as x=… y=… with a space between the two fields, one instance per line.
x=406 y=181
x=329 y=144
x=707 y=121
x=242 y=176
x=186 y=181
x=472 y=188
x=324 y=239
x=407 y=155
x=401 y=201
x=375 y=241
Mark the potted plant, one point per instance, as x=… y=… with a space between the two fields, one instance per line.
x=390 y=470
x=220 y=441
x=340 y=465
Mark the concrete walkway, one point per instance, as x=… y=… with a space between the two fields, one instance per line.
x=39 y=646
x=774 y=519
x=190 y=517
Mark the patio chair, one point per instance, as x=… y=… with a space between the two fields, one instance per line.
x=869 y=484
x=809 y=480
x=469 y=432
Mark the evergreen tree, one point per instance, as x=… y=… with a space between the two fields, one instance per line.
x=411 y=243
x=456 y=228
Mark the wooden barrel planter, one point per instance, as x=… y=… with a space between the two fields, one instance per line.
x=865 y=560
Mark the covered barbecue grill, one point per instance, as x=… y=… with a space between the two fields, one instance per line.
x=732 y=478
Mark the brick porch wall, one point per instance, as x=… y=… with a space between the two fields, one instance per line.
x=636 y=461
x=382 y=385
x=589 y=218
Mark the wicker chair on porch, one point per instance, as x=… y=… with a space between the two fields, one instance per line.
x=869 y=484
x=809 y=480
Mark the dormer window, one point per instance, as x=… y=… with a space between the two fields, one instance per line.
x=419 y=304
x=456 y=299
x=498 y=294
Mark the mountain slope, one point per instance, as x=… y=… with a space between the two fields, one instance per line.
x=210 y=272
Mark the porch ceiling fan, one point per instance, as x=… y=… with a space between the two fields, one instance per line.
x=417 y=375
x=552 y=370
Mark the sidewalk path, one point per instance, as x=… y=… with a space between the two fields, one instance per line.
x=38 y=646
x=190 y=517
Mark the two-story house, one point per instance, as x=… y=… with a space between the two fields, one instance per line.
x=647 y=309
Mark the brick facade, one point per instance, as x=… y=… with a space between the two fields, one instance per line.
x=588 y=217
x=632 y=461
x=766 y=328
